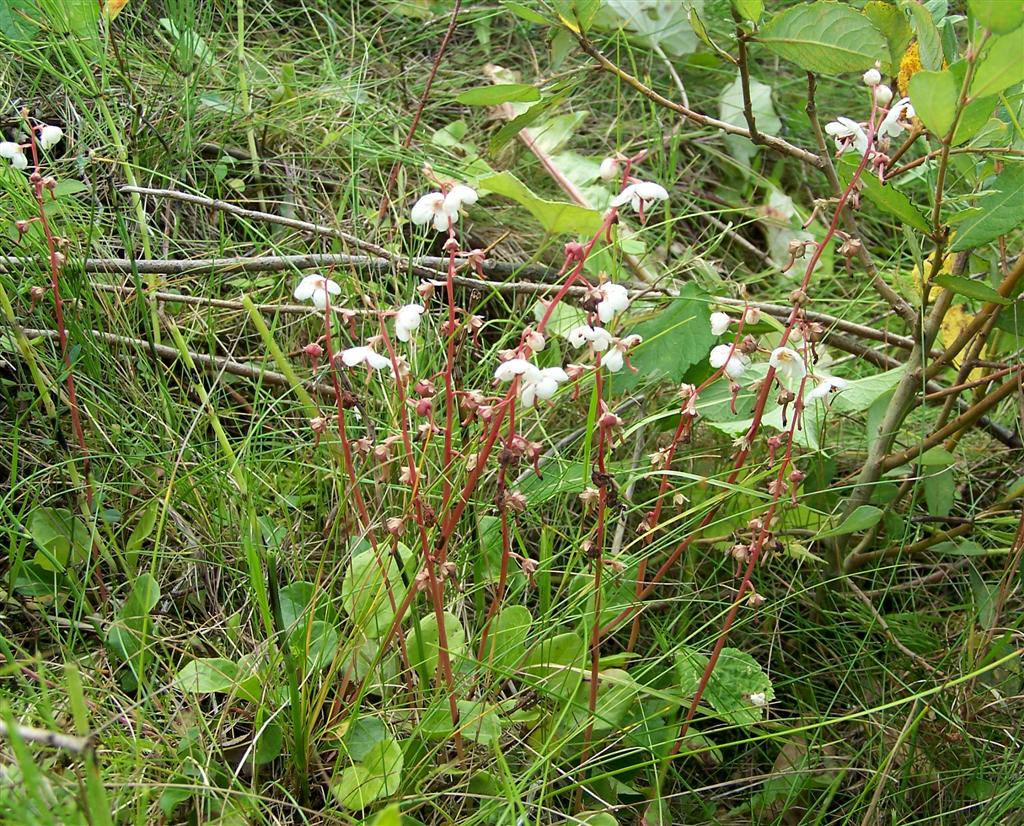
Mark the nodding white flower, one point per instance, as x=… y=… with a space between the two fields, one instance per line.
x=789 y=366
x=615 y=359
x=719 y=323
x=534 y=339
x=640 y=196
x=883 y=95
x=872 y=77
x=14 y=153
x=732 y=359
x=614 y=299
x=407 y=320
x=316 y=287
x=431 y=208
x=609 y=170
x=354 y=356
x=893 y=124
x=50 y=136
x=825 y=386
x=848 y=133
x=459 y=196
x=508 y=370
x=544 y=386
x=598 y=337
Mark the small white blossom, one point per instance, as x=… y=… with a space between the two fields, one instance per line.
x=508 y=370
x=640 y=196
x=598 y=337
x=758 y=698
x=896 y=119
x=50 y=136
x=431 y=208
x=316 y=287
x=534 y=339
x=543 y=387
x=872 y=77
x=354 y=356
x=789 y=366
x=719 y=323
x=459 y=196
x=848 y=133
x=614 y=299
x=883 y=95
x=609 y=170
x=613 y=360
x=407 y=320
x=734 y=361
x=14 y=153
x=825 y=386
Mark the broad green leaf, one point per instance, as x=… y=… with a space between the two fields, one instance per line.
x=972 y=289
x=18 y=19
x=479 y=722
x=507 y=639
x=677 y=338
x=64 y=540
x=143 y=528
x=958 y=547
x=884 y=196
x=388 y=816
x=894 y=26
x=999 y=210
x=556 y=217
x=378 y=775
x=860 y=394
x=730 y=110
x=552 y=134
x=496 y=94
x=424 y=644
x=616 y=694
x=577 y=14
x=555 y=665
x=824 y=37
x=998 y=16
x=736 y=677
x=372 y=590
x=596 y=819
x=207 y=675
x=319 y=644
x=863 y=518
x=934 y=95
x=527 y=14
x=1000 y=66
x=749 y=9
x=363 y=734
x=940 y=491
x=662 y=23
x=125 y=635
x=527 y=118
x=928 y=39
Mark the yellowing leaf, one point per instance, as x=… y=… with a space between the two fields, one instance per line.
x=112 y=8
x=956 y=321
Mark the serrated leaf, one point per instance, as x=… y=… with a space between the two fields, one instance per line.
x=972 y=289
x=556 y=217
x=499 y=93
x=894 y=26
x=824 y=37
x=1000 y=210
x=998 y=16
x=1000 y=66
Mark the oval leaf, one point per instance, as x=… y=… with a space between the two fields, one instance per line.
x=495 y=95
x=824 y=37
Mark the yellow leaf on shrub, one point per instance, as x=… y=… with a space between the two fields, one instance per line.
x=112 y=8
x=956 y=321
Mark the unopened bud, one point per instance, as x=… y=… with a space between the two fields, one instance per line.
x=883 y=95
x=318 y=424
x=313 y=350
x=752 y=315
x=872 y=77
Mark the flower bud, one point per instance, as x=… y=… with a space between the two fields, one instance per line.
x=318 y=424
x=313 y=350
x=883 y=95
x=752 y=315
x=872 y=77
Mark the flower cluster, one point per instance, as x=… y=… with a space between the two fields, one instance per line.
x=535 y=382
x=49 y=136
x=442 y=209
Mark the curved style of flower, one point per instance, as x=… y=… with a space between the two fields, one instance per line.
x=442 y=209
x=407 y=320
x=732 y=359
x=316 y=288
x=354 y=356
x=640 y=195
x=848 y=133
x=719 y=323
x=614 y=298
x=789 y=366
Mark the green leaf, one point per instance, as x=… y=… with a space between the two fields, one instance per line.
x=143 y=528
x=1000 y=66
x=425 y=643
x=928 y=39
x=730 y=110
x=363 y=734
x=940 y=492
x=479 y=722
x=319 y=644
x=736 y=677
x=64 y=540
x=388 y=816
x=959 y=547
x=555 y=665
x=18 y=19
x=578 y=14
x=884 y=196
x=934 y=95
x=507 y=639
x=527 y=14
x=972 y=289
x=677 y=338
x=372 y=590
x=661 y=23
x=998 y=16
x=860 y=394
x=496 y=94
x=749 y=9
x=999 y=211
x=520 y=122
x=378 y=775
x=596 y=819
x=556 y=217
x=863 y=518
x=125 y=635
x=894 y=26
x=824 y=37
x=553 y=133
x=207 y=675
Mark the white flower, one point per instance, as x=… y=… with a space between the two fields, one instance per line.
x=613 y=360
x=719 y=323
x=459 y=196
x=598 y=337
x=883 y=95
x=431 y=208
x=734 y=361
x=825 y=386
x=893 y=124
x=872 y=77
x=640 y=195
x=407 y=320
x=50 y=136
x=544 y=386
x=609 y=170
x=14 y=153
x=614 y=299
x=508 y=370
x=316 y=287
x=354 y=356
x=758 y=699
x=789 y=366
x=848 y=133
